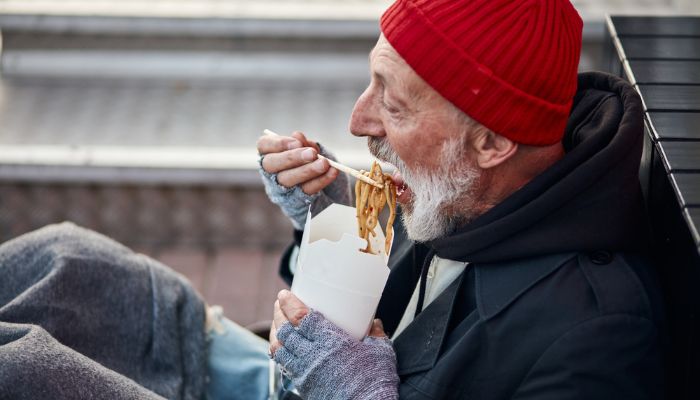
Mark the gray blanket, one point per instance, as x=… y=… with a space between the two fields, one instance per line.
x=82 y=317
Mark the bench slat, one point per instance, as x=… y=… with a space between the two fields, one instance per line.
x=661 y=48
x=666 y=72
x=675 y=125
x=681 y=156
x=671 y=97
x=687 y=187
x=657 y=26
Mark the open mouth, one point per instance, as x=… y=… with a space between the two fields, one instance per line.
x=403 y=192
x=380 y=149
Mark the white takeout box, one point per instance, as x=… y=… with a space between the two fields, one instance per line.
x=334 y=277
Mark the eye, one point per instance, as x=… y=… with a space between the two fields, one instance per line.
x=389 y=108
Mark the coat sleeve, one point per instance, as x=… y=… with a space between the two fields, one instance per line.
x=609 y=357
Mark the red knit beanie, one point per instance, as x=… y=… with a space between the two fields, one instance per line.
x=509 y=64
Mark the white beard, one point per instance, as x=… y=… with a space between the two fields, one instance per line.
x=434 y=209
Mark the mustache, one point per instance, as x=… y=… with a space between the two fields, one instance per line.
x=380 y=148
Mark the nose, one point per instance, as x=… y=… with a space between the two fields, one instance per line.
x=365 y=119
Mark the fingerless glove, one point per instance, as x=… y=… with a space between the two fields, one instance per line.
x=295 y=203
x=324 y=362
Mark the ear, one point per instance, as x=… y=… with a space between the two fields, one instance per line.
x=493 y=150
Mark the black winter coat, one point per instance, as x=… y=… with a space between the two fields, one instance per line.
x=558 y=301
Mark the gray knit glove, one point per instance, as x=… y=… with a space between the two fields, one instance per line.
x=295 y=203
x=324 y=362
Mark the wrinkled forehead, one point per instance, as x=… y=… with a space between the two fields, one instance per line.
x=387 y=66
x=383 y=59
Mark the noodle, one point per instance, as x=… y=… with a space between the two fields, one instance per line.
x=370 y=201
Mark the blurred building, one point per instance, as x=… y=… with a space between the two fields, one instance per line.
x=139 y=119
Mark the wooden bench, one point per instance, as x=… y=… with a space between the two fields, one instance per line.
x=661 y=57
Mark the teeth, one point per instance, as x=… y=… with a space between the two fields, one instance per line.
x=400 y=189
x=400 y=184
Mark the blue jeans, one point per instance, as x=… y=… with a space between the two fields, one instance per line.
x=238 y=365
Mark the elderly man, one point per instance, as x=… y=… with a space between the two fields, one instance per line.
x=521 y=272
x=518 y=270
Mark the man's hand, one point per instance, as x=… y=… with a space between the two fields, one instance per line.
x=324 y=362
x=294 y=176
x=288 y=308
x=295 y=161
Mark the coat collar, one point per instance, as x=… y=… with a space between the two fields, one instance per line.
x=496 y=286
x=499 y=284
x=418 y=346
x=402 y=281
